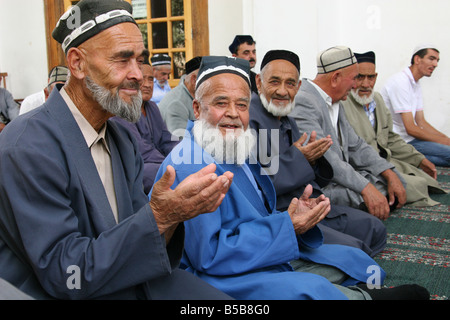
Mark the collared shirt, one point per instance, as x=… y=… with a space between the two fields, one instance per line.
x=96 y=142
x=159 y=91
x=370 y=112
x=333 y=108
x=402 y=94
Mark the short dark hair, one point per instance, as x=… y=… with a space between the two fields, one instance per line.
x=422 y=53
x=247 y=42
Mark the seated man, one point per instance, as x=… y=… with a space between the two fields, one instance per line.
x=162 y=65
x=362 y=179
x=75 y=222
x=244 y=247
x=155 y=141
x=9 y=109
x=278 y=84
x=176 y=105
x=403 y=96
x=56 y=78
x=367 y=113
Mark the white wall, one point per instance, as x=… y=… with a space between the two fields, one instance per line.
x=23 y=51
x=391 y=28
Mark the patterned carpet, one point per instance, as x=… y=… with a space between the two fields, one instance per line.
x=418 y=245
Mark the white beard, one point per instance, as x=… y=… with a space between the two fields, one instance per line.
x=362 y=100
x=233 y=148
x=276 y=110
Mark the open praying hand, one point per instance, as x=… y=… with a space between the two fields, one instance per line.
x=314 y=149
x=306 y=212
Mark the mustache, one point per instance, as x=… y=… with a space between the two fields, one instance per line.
x=130 y=85
x=277 y=96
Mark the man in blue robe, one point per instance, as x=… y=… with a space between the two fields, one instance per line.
x=75 y=222
x=155 y=141
x=244 y=247
x=289 y=169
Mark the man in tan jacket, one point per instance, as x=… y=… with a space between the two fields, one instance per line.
x=369 y=116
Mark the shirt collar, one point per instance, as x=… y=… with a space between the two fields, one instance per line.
x=90 y=135
x=410 y=76
x=322 y=93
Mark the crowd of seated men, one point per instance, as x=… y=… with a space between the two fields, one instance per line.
x=233 y=185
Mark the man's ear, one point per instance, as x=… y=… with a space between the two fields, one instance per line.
x=196 y=107
x=335 y=78
x=299 y=85
x=76 y=63
x=258 y=82
x=46 y=93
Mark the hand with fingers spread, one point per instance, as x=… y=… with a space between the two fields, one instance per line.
x=307 y=212
x=201 y=192
x=313 y=150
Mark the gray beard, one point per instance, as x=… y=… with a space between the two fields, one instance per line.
x=362 y=100
x=276 y=110
x=231 y=149
x=114 y=104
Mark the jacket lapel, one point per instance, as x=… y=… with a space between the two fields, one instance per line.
x=82 y=158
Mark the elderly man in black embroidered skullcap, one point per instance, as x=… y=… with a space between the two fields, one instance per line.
x=75 y=222
x=162 y=66
x=361 y=178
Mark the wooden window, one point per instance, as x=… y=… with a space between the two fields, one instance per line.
x=176 y=27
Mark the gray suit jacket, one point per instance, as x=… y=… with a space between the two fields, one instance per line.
x=354 y=162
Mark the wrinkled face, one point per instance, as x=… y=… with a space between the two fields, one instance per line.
x=225 y=101
x=109 y=65
x=162 y=73
x=147 y=83
x=366 y=79
x=113 y=60
x=279 y=83
x=247 y=52
x=346 y=82
x=428 y=63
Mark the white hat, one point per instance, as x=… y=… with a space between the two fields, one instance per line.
x=335 y=58
x=423 y=46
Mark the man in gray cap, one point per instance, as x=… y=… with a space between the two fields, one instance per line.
x=367 y=113
x=75 y=222
x=362 y=179
x=56 y=78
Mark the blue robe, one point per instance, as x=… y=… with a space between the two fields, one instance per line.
x=55 y=216
x=155 y=141
x=343 y=224
x=244 y=247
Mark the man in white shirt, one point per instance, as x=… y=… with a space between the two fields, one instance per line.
x=403 y=96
